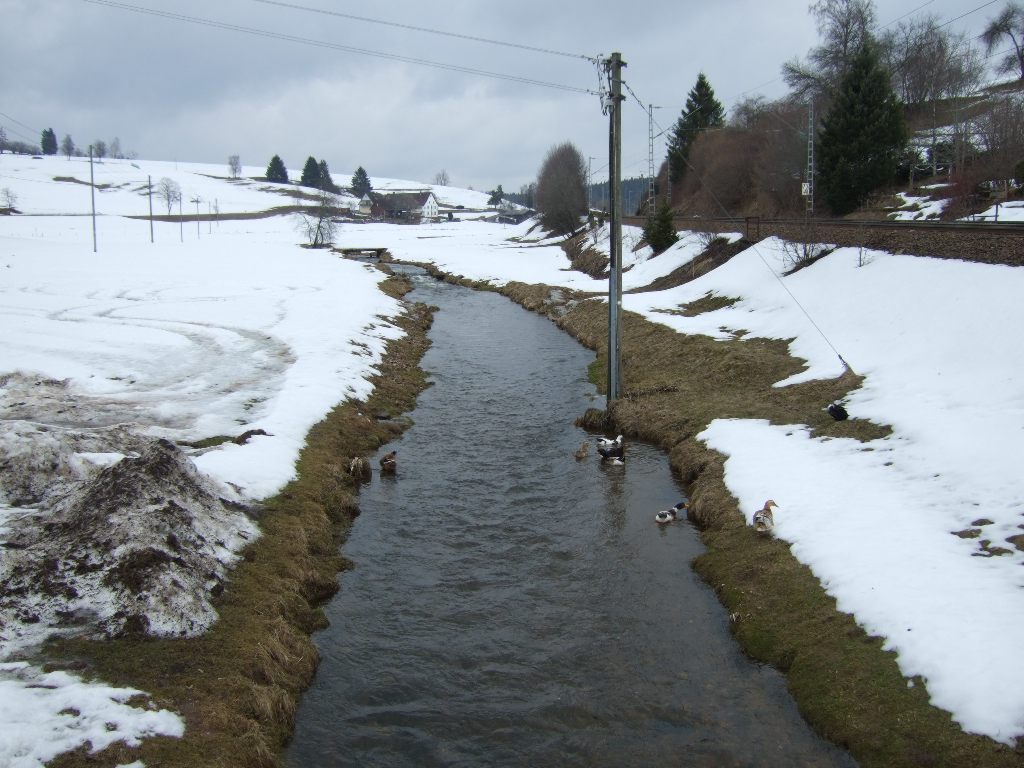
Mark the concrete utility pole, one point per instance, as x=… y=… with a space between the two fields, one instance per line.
x=181 y=218
x=613 y=66
x=149 y=187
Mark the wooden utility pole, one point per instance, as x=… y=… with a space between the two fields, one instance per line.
x=92 y=192
x=149 y=186
x=197 y=200
x=614 y=65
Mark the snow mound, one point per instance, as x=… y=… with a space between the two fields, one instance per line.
x=140 y=545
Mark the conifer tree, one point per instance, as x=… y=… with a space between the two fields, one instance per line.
x=863 y=135
x=276 y=171
x=311 y=174
x=326 y=182
x=496 y=195
x=48 y=142
x=360 y=182
x=660 y=232
x=702 y=111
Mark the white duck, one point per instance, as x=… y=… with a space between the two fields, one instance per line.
x=607 y=442
x=671 y=515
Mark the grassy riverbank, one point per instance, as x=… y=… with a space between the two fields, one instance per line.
x=237 y=686
x=674 y=385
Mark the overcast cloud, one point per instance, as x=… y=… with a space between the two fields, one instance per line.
x=171 y=89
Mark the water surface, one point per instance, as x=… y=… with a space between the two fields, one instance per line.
x=510 y=606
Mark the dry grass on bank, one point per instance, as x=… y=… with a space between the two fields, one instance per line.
x=845 y=684
x=237 y=686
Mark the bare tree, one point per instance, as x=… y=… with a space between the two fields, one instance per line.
x=99 y=149
x=3 y=139
x=235 y=166
x=168 y=191
x=9 y=197
x=1009 y=23
x=115 y=148
x=843 y=25
x=316 y=222
x=561 y=194
x=928 y=62
x=441 y=178
x=67 y=146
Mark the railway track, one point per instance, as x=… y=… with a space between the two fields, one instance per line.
x=985 y=242
x=740 y=223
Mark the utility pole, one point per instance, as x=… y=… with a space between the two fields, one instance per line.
x=590 y=186
x=181 y=218
x=650 y=159
x=197 y=201
x=613 y=107
x=809 y=184
x=92 y=192
x=149 y=186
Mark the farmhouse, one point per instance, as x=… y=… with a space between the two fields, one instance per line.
x=405 y=206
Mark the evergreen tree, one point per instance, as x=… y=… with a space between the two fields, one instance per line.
x=326 y=182
x=276 y=171
x=660 y=232
x=496 y=195
x=863 y=135
x=360 y=182
x=311 y=174
x=702 y=111
x=48 y=142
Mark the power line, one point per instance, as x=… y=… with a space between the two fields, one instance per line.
x=428 y=30
x=338 y=47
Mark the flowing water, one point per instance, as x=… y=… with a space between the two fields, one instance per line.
x=510 y=606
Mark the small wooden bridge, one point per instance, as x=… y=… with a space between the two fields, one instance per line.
x=363 y=252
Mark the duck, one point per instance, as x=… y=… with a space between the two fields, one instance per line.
x=389 y=463
x=613 y=461
x=764 y=520
x=837 y=412
x=612 y=455
x=359 y=468
x=672 y=514
x=583 y=451
x=607 y=442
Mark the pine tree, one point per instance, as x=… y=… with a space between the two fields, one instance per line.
x=660 y=232
x=48 y=142
x=276 y=171
x=496 y=195
x=360 y=182
x=702 y=111
x=311 y=174
x=863 y=135
x=326 y=182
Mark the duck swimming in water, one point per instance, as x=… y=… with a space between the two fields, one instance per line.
x=583 y=451
x=607 y=442
x=389 y=463
x=671 y=515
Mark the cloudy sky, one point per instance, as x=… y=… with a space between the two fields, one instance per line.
x=258 y=78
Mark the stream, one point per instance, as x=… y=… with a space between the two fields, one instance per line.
x=512 y=606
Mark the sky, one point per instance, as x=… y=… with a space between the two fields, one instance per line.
x=179 y=90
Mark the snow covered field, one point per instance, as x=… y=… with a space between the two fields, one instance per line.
x=239 y=329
